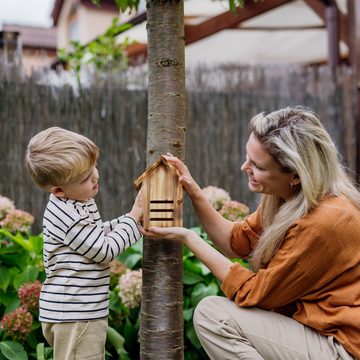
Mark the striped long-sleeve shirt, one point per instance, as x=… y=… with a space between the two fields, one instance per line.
x=78 y=247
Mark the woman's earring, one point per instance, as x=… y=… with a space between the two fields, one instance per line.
x=291 y=185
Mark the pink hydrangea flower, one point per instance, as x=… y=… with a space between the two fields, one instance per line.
x=217 y=196
x=17 y=324
x=130 y=288
x=29 y=294
x=17 y=220
x=234 y=210
x=117 y=268
x=6 y=205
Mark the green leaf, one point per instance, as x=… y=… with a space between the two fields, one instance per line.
x=18 y=239
x=190 y=278
x=12 y=305
x=8 y=297
x=130 y=334
x=37 y=244
x=138 y=246
x=191 y=335
x=201 y=291
x=5 y=278
x=188 y=314
x=197 y=230
x=30 y=274
x=31 y=339
x=13 y=350
x=242 y=262
x=16 y=257
x=131 y=260
x=196 y=266
x=117 y=341
x=114 y=301
x=40 y=351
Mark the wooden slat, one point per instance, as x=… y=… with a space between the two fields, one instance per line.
x=228 y=20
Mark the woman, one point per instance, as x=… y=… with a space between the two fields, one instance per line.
x=301 y=297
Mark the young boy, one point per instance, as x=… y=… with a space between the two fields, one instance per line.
x=78 y=246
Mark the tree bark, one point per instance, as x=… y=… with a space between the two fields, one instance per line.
x=161 y=329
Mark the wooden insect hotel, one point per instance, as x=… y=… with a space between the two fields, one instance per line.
x=163 y=195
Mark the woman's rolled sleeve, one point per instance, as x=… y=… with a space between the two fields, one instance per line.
x=245 y=234
x=235 y=278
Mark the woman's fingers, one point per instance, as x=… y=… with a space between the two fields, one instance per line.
x=177 y=163
x=164 y=232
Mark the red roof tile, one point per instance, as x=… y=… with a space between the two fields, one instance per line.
x=34 y=37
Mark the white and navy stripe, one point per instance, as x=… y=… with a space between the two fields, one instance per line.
x=78 y=247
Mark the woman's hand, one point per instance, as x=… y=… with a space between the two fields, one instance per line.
x=185 y=178
x=173 y=233
x=218 y=264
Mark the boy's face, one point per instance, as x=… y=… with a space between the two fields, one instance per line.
x=83 y=189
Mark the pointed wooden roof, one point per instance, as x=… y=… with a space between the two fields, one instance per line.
x=150 y=169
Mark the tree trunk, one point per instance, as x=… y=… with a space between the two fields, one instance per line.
x=161 y=330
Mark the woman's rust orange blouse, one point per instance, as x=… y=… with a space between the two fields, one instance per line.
x=315 y=272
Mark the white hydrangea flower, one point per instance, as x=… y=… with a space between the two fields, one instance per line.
x=130 y=288
x=6 y=205
x=217 y=196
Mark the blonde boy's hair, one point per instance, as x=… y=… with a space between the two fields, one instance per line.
x=56 y=156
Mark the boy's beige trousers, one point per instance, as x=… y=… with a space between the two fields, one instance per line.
x=228 y=332
x=77 y=340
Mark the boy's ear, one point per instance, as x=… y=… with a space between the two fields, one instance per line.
x=57 y=191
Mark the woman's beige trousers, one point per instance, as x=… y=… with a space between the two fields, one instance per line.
x=229 y=332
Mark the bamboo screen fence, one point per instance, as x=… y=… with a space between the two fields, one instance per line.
x=113 y=111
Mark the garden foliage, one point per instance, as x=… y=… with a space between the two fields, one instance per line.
x=22 y=272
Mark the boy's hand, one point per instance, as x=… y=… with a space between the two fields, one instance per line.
x=137 y=209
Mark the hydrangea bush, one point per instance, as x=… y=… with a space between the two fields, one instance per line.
x=234 y=210
x=29 y=295
x=17 y=324
x=22 y=274
x=17 y=221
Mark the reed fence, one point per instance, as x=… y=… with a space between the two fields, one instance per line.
x=112 y=110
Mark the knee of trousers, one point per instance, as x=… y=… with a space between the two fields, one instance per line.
x=210 y=312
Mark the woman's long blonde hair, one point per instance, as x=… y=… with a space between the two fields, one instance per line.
x=298 y=141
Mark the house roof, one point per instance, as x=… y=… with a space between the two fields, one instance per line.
x=273 y=31
x=151 y=169
x=104 y=5
x=34 y=37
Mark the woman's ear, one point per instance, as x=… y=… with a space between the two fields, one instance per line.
x=295 y=180
x=57 y=191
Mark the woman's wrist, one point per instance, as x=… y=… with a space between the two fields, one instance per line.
x=197 y=195
x=190 y=239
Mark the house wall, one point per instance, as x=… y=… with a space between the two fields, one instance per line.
x=35 y=59
x=91 y=22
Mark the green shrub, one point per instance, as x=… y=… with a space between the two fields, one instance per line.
x=22 y=272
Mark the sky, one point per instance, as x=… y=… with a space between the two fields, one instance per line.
x=26 y=12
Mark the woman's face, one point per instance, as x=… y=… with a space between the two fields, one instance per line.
x=264 y=173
